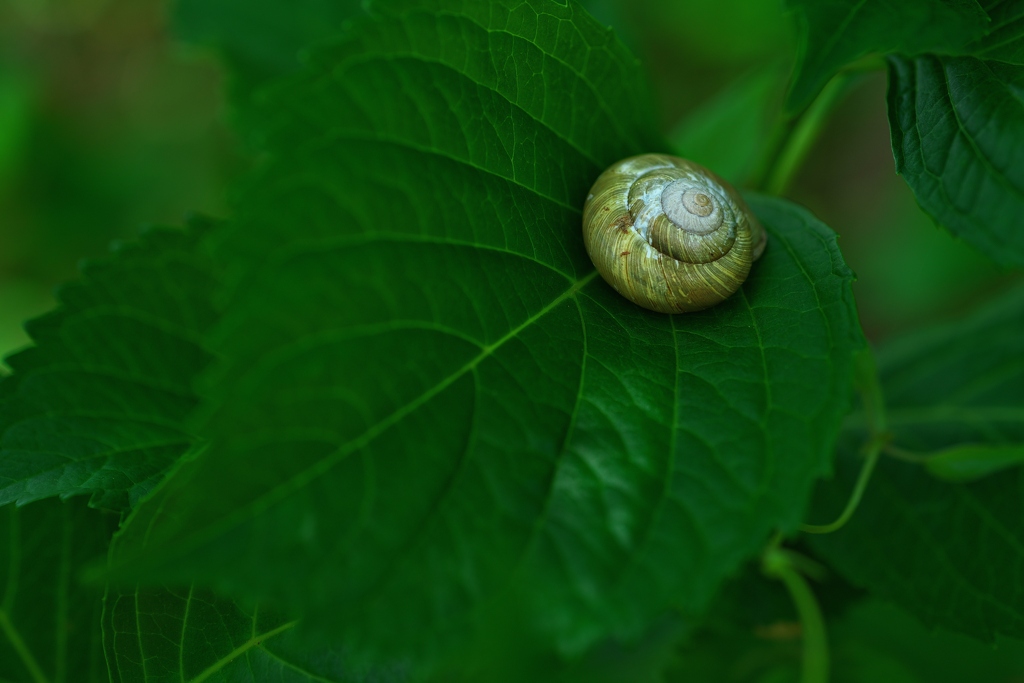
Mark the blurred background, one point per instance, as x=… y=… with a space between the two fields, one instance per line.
x=107 y=123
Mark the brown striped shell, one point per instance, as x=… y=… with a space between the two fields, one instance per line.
x=668 y=234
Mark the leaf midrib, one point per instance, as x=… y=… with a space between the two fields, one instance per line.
x=240 y=650
x=241 y=514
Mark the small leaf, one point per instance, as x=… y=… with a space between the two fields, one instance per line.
x=833 y=34
x=957 y=128
x=948 y=553
x=971 y=462
x=97 y=406
x=49 y=623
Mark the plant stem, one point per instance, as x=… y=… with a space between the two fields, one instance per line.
x=796 y=133
x=779 y=564
x=23 y=652
x=871 y=395
x=866 y=379
x=803 y=133
x=870 y=459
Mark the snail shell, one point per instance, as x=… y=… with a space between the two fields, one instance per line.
x=668 y=234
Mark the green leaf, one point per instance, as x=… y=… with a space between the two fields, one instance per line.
x=957 y=130
x=49 y=624
x=163 y=634
x=730 y=132
x=835 y=33
x=431 y=411
x=949 y=553
x=1005 y=39
x=384 y=450
x=97 y=406
x=970 y=462
x=167 y=633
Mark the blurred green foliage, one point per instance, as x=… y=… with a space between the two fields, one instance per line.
x=871 y=642
x=106 y=124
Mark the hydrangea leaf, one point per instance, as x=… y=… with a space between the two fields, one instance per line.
x=948 y=553
x=957 y=128
x=156 y=634
x=1004 y=41
x=97 y=406
x=49 y=622
x=837 y=32
x=430 y=415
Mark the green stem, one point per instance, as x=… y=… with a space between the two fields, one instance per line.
x=23 y=652
x=803 y=134
x=870 y=388
x=796 y=133
x=779 y=564
x=870 y=460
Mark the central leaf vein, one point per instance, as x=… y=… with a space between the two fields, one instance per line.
x=240 y=514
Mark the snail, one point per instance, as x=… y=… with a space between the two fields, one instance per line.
x=668 y=234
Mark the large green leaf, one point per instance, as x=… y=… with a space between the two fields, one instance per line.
x=97 y=405
x=957 y=133
x=836 y=32
x=49 y=623
x=359 y=494
x=431 y=408
x=949 y=553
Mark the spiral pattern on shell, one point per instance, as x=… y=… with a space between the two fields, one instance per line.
x=668 y=234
